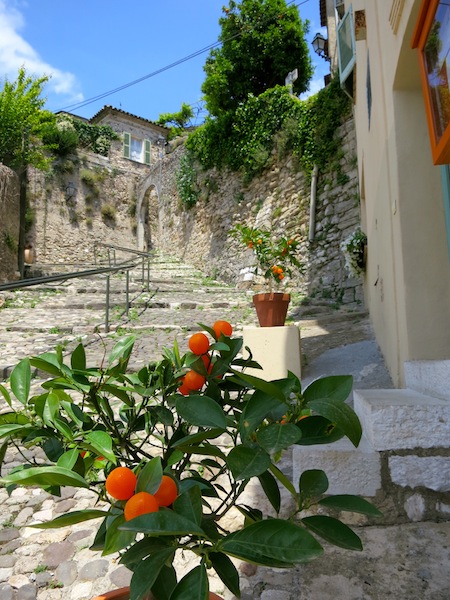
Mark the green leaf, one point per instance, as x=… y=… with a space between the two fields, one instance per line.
x=273 y=543
x=256 y=410
x=334 y=387
x=247 y=462
x=226 y=570
x=118 y=392
x=6 y=395
x=163 y=522
x=141 y=549
x=11 y=429
x=189 y=505
x=333 y=531
x=78 y=358
x=195 y=438
x=271 y=489
x=201 y=411
x=313 y=482
x=205 y=449
x=165 y=583
x=146 y=573
x=287 y=483
x=271 y=389
x=51 y=409
x=352 y=504
x=102 y=444
x=117 y=538
x=122 y=350
x=47 y=362
x=68 y=459
x=278 y=437
x=71 y=518
x=149 y=479
x=43 y=476
x=340 y=413
x=318 y=430
x=193 y=585
x=20 y=380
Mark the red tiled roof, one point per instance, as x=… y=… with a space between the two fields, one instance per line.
x=110 y=109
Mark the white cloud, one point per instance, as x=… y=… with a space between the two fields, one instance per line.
x=16 y=52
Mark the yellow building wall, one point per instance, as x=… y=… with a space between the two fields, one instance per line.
x=407 y=284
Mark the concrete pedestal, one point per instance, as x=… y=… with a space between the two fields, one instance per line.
x=276 y=349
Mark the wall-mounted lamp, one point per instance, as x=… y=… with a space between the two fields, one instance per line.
x=70 y=191
x=320 y=45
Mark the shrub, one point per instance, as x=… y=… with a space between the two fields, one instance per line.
x=108 y=212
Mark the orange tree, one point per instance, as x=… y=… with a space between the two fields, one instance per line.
x=275 y=258
x=210 y=444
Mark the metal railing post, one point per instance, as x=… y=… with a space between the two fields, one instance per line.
x=143 y=272
x=148 y=273
x=127 y=292
x=107 y=306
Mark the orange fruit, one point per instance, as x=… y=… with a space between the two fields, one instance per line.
x=222 y=327
x=121 y=483
x=140 y=504
x=167 y=491
x=183 y=389
x=194 y=381
x=198 y=343
x=206 y=361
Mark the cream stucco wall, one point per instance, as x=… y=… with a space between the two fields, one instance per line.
x=407 y=282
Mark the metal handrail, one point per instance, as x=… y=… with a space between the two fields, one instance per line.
x=125 y=265
x=144 y=255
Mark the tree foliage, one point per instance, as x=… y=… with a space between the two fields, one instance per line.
x=262 y=41
x=177 y=121
x=23 y=121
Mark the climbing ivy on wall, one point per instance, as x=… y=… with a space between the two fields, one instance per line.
x=244 y=140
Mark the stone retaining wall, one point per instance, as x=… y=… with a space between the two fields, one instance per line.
x=9 y=224
x=278 y=199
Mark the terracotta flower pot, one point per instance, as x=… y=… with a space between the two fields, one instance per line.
x=124 y=594
x=271 y=308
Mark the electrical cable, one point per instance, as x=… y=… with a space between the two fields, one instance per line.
x=161 y=70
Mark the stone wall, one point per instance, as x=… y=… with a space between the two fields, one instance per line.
x=278 y=199
x=9 y=224
x=94 y=202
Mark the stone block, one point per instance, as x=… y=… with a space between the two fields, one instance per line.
x=276 y=349
x=349 y=470
x=431 y=377
x=402 y=419
x=432 y=472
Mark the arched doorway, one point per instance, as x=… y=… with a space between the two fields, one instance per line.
x=148 y=217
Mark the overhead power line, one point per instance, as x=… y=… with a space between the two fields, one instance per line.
x=161 y=70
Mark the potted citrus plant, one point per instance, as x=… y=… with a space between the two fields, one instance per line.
x=168 y=451
x=276 y=259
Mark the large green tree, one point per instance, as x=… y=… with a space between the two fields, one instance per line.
x=23 y=121
x=262 y=41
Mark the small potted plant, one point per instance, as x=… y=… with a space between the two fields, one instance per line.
x=168 y=451
x=275 y=259
x=354 y=248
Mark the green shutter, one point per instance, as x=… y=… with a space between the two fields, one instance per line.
x=126 y=144
x=346 y=51
x=147 y=152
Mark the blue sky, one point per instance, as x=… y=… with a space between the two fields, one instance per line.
x=90 y=47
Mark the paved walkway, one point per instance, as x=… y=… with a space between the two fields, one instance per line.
x=406 y=562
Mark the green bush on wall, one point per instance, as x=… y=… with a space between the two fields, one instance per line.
x=244 y=140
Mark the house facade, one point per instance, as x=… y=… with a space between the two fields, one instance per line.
x=404 y=194
x=391 y=58
x=111 y=199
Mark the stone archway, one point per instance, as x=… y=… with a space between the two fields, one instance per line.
x=147 y=214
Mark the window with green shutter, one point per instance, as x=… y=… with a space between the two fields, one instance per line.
x=126 y=144
x=346 y=51
x=147 y=152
